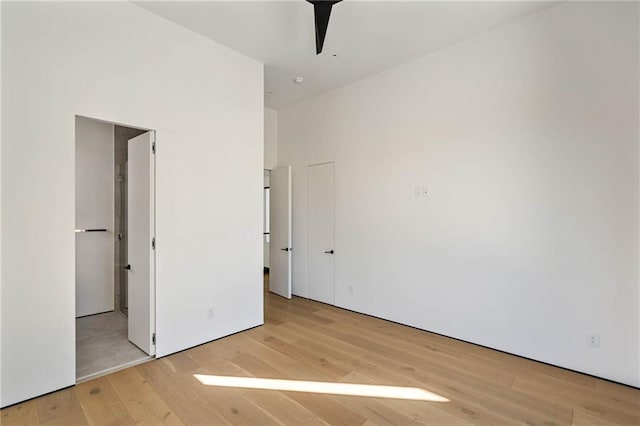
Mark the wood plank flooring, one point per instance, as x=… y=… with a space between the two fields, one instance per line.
x=305 y=340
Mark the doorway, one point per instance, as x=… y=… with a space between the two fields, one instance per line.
x=121 y=138
x=266 y=225
x=320 y=232
x=115 y=229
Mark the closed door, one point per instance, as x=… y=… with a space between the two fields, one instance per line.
x=140 y=241
x=320 y=232
x=94 y=212
x=280 y=232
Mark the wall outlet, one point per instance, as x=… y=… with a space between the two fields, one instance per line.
x=351 y=290
x=593 y=340
x=420 y=191
x=210 y=313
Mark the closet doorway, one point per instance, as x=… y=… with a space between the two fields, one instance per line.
x=115 y=246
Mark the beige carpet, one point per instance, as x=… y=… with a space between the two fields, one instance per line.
x=102 y=344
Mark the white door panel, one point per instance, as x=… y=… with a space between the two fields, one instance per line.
x=280 y=244
x=141 y=231
x=320 y=232
x=94 y=210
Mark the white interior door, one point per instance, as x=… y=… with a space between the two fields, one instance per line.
x=320 y=232
x=94 y=214
x=280 y=245
x=140 y=235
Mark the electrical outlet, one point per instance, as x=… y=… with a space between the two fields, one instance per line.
x=420 y=191
x=593 y=340
x=351 y=291
x=210 y=313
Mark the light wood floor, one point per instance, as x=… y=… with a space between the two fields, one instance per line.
x=305 y=340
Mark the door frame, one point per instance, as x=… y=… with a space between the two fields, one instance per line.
x=153 y=299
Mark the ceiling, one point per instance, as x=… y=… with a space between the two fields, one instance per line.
x=366 y=36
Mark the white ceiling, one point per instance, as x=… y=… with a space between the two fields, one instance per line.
x=367 y=36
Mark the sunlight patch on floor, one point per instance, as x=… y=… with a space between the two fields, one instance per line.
x=352 y=389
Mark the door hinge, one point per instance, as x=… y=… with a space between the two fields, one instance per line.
x=153 y=147
x=153 y=243
x=153 y=339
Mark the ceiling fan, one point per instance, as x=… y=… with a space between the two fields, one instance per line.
x=322 y=12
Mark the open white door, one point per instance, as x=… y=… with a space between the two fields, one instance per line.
x=320 y=232
x=141 y=241
x=280 y=244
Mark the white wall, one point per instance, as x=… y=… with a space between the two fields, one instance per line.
x=270 y=138
x=94 y=209
x=1 y=133
x=527 y=140
x=120 y=63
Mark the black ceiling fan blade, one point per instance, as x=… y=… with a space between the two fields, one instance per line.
x=322 y=12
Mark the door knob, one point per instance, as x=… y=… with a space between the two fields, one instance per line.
x=329 y=252
x=285 y=249
x=127 y=267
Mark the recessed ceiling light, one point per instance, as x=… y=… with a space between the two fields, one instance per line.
x=298 y=80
